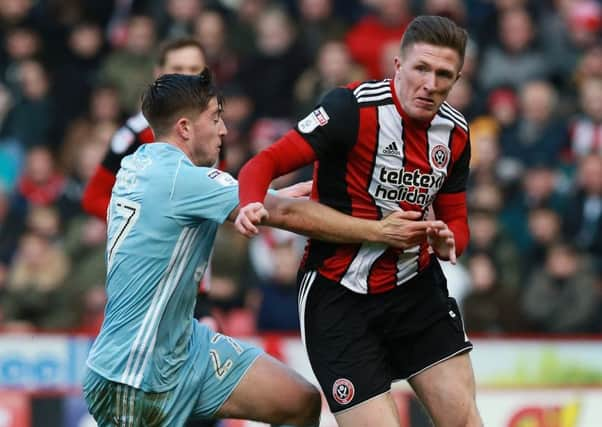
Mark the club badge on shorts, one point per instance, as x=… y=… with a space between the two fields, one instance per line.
x=343 y=391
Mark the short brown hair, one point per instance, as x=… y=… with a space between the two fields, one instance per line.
x=175 y=44
x=438 y=31
x=173 y=95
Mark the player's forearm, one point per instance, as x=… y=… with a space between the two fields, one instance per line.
x=321 y=222
x=451 y=209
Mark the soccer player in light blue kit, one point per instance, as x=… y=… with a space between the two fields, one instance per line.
x=152 y=363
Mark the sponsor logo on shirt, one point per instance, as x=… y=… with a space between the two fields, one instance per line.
x=391 y=150
x=414 y=186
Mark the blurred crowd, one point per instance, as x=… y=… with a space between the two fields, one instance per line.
x=71 y=71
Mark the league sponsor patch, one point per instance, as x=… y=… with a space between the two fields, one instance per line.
x=343 y=391
x=316 y=118
x=221 y=177
x=440 y=156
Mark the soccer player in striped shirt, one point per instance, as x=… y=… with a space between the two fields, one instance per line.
x=372 y=314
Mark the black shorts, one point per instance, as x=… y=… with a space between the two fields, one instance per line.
x=358 y=344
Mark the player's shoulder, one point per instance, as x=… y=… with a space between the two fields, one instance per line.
x=372 y=92
x=454 y=117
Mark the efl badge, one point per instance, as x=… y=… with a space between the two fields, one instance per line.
x=343 y=391
x=440 y=156
x=314 y=119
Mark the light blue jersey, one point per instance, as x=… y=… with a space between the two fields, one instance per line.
x=162 y=221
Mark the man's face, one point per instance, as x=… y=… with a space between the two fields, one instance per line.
x=186 y=60
x=424 y=75
x=207 y=131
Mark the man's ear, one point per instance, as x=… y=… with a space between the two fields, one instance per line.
x=458 y=76
x=182 y=128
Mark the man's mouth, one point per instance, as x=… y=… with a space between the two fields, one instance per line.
x=425 y=102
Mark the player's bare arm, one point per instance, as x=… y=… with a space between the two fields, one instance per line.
x=401 y=229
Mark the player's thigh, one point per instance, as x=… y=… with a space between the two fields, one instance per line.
x=221 y=362
x=271 y=392
x=344 y=349
x=378 y=411
x=447 y=390
x=115 y=405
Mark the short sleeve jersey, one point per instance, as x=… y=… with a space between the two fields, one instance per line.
x=163 y=217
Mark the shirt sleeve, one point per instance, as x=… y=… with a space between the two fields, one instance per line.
x=456 y=182
x=201 y=193
x=331 y=128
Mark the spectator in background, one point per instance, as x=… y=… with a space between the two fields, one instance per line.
x=102 y=116
x=540 y=187
x=562 y=297
x=11 y=227
x=318 y=24
x=40 y=184
x=586 y=129
x=30 y=120
x=540 y=136
x=583 y=215
x=238 y=114
x=34 y=292
x=20 y=44
x=333 y=67
x=491 y=306
x=85 y=159
x=518 y=58
x=487 y=166
x=175 y=18
x=589 y=65
x=544 y=229
x=488 y=235
x=275 y=256
x=77 y=74
x=269 y=75
x=503 y=106
x=131 y=66
x=211 y=30
x=11 y=151
x=244 y=26
x=367 y=37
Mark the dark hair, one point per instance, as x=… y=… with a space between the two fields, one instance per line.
x=176 y=94
x=175 y=44
x=438 y=31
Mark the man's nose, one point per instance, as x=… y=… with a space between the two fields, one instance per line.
x=430 y=82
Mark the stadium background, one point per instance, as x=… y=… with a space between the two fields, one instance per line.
x=530 y=284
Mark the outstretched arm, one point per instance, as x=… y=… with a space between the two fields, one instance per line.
x=401 y=229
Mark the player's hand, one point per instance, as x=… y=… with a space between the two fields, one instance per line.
x=406 y=229
x=250 y=216
x=301 y=189
x=443 y=242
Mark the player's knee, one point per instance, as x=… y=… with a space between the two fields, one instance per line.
x=469 y=417
x=308 y=408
